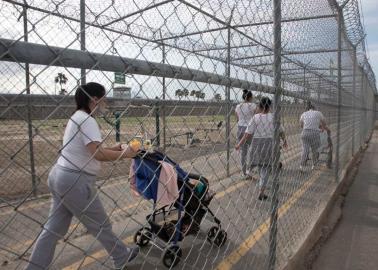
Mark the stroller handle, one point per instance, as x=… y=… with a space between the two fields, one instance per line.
x=198 y=177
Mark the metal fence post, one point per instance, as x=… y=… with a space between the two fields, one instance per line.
x=228 y=101
x=319 y=90
x=29 y=116
x=82 y=37
x=365 y=113
x=362 y=112
x=353 y=98
x=305 y=94
x=276 y=139
x=117 y=116
x=163 y=106
x=339 y=33
x=157 y=124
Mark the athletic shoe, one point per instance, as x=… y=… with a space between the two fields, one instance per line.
x=263 y=197
x=132 y=253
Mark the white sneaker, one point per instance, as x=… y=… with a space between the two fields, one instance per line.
x=243 y=176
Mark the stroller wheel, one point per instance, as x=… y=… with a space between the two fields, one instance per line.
x=221 y=238
x=142 y=237
x=172 y=256
x=217 y=236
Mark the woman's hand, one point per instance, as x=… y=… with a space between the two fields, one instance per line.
x=245 y=137
x=128 y=151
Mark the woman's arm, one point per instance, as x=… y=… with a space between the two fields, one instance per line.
x=245 y=137
x=117 y=147
x=106 y=154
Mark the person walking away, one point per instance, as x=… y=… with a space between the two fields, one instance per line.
x=244 y=113
x=72 y=184
x=261 y=130
x=312 y=122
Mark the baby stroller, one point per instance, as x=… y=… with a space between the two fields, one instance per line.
x=173 y=222
x=326 y=148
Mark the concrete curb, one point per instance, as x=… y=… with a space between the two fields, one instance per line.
x=308 y=250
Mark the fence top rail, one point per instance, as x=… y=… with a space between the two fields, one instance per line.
x=26 y=52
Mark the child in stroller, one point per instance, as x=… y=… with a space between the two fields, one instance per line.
x=326 y=147
x=325 y=150
x=188 y=196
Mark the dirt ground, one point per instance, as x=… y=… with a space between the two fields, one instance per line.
x=15 y=169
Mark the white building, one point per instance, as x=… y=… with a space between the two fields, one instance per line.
x=122 y=92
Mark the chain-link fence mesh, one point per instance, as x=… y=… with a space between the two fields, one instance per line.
x=174 y=72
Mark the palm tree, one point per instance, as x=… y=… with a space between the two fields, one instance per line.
x=61 y=79
x=179 y=93
x=197 y=94
x=200 y=95
x=217 y=97
x=185 y=92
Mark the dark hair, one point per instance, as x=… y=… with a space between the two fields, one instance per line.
x=265 y=104
x=85 y=92
x=247 y=94
x=309 y=106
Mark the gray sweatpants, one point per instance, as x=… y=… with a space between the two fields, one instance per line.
x=74 y=194
x=244 y=149
x=310 y=140
x=264 y=176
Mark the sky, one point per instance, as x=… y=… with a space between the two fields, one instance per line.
x=370 y=16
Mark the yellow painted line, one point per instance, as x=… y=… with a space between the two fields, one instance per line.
x=39 y=203
x=102 y=253
x=20 y=246
x=21 y=208
x=95 y=256
x=72 y=226
x=252 y=239
x=230 y=189
x=99 y=254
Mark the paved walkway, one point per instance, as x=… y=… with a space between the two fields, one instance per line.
x=354 y=243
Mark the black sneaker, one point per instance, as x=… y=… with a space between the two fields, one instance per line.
x=263 y=197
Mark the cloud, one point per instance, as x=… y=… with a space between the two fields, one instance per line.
x=373 y=57
x=369 y=6
x=370 y=10
x=371 y=21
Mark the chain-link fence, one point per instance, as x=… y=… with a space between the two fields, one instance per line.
x=174 y=72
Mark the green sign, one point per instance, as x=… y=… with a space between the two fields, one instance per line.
x=119 y=78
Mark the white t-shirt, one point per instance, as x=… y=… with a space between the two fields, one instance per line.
x=81 y=130
x=245 y=113
x=311 y=119
x=261 y=126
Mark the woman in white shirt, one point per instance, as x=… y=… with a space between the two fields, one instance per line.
x=244 y=113
x=72 y=184
x=261 y=129
x=311 y=121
